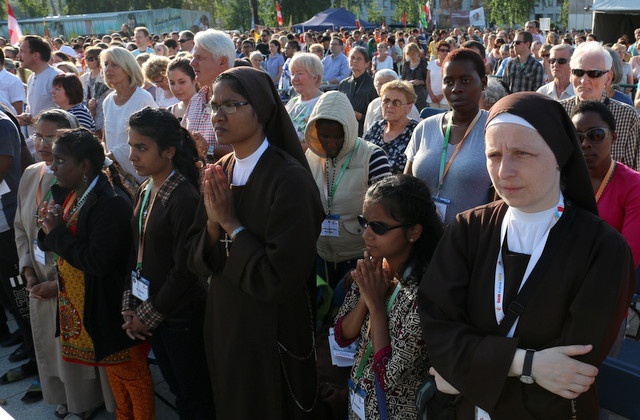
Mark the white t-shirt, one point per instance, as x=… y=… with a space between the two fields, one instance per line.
x=116 y=121
x=162 y=101
x=386 y=64
x=435 y=77
x=11 y=88
x=39 y=92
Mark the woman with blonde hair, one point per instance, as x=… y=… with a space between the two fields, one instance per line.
x=123 y=74
x=306 y=77
x=414 y=71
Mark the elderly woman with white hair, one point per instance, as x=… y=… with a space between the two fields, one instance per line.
x=306 y=77
x=123 y=74
x=374 y=110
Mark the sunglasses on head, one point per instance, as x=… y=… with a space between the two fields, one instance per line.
x=558 y=60
x=378 y=228
x=594 y=136
x=593 y=74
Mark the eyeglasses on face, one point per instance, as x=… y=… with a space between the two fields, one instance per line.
x=593 y=74
x=394 y=103
x=378 y=228
x=545 y=56
x=443 y=50
x=182 y=41
x=594 y=136
x=229 y=108
x=37 y=138
x=91 y=59
x=517 y=42
x=558 y=60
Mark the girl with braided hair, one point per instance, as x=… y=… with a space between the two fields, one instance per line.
x=164 y=302
x=401 y=231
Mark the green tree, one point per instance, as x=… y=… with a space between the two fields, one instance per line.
x=411 y=7
x=564 y=14
x=27 y=8
x=510 y=12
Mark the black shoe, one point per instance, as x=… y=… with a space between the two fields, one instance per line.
x=19 y=354
x=12 y=339
x=33 y=394
x=17 y=374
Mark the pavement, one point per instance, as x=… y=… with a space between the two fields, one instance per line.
x=11 y=394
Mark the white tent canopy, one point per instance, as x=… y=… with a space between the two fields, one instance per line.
x=613 y=18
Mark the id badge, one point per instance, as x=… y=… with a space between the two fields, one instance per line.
x=39 y=254
x=356 y=399
x=139 y=286
x=331 y=226
x=441 y=206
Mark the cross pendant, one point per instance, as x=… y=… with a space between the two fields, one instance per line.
x=226 y=241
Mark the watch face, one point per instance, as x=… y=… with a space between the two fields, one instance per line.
x=527 y=379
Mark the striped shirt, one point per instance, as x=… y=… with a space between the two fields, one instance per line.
x=84 y=117
x=378 y=165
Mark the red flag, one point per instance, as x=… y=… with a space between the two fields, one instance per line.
x=427 y=11
x=358 y=19
x=404 y=18
x=279 y=15
x=14 y=29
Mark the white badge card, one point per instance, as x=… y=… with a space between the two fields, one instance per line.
x=356 y=400
x=331 y=226
x=139 y=286
x=39 y=254
x=340 y=356
x=441 y=206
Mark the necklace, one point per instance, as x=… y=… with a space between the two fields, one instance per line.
x=81 y=202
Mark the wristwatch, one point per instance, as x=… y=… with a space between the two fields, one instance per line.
x=526 y=376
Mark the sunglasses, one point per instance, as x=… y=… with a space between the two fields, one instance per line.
x=593 y=74
x=443 y=50
x=558 y=60
x=182 y=41
x=91 y=59
x=378 y=228
x=517 y=42
x=594 y=136
x=545 y=55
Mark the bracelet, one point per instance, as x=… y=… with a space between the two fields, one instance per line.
x=236 y=231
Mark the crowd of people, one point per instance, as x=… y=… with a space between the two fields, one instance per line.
x=319 y=225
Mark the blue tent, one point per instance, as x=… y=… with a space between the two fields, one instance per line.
x=332 y=19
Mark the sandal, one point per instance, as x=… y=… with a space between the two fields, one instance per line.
x=61 y=411
x=34 y=393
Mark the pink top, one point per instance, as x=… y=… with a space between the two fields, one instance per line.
x=619 y=206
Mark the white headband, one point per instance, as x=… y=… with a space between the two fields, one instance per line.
x=506 y=118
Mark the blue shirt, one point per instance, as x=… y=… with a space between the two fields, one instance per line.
x=335 y=67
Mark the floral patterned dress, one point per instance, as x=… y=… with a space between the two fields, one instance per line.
x=396 y=147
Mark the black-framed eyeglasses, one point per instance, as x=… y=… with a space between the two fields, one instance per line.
x=545 y=55
x=229 y=108
x=378 y=228
x=593 y=74
x=443 y=50
x=394 y=103
x=558 y=60
x=594 y=136
x=182 y=41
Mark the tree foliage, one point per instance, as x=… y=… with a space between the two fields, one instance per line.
x=510 y=12
x=411 y=7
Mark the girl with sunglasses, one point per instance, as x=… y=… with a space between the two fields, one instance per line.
x=616 y=186
x=401 y=231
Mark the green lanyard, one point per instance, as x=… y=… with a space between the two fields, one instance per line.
x=334 y=187
x=369 y=350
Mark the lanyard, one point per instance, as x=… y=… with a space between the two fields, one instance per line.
x=81 y=202
x=145 y=213
x=498 y=293
x=444 y=165
x=331 y=191
x=606 y=180
x=369 y=350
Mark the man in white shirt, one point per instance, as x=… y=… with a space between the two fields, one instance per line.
x=35 y=54
x=532 y=27
x=560 y=87
x=11 y=88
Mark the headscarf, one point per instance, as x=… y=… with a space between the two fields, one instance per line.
x=551 y=121
x=272 y=115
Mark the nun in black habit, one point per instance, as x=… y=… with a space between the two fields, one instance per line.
x=525 y=296
x=255 y=234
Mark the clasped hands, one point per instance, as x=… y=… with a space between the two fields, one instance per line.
x=134 y=327
x=218 y=201
x=373 y=279
x=49 y=216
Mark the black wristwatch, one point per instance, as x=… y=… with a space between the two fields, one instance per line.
x=526 y=368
